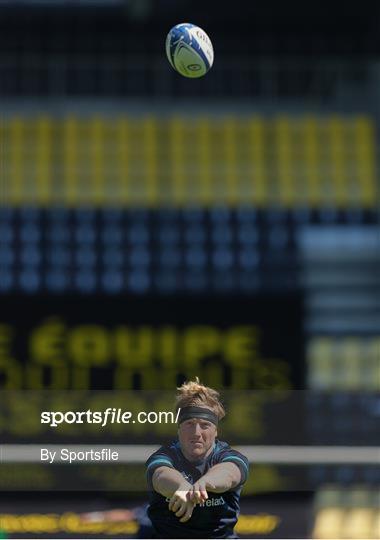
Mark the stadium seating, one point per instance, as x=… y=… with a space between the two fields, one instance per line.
x=346 y=513
x=344 y=363
x=114 y=250
x=287 y=161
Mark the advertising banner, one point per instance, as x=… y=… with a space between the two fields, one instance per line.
x=150 y=343
x=275 y=517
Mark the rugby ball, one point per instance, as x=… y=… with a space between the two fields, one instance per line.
x=189 y=50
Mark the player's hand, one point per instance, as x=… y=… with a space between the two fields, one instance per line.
x=199 y=492
x=181 y=504
x=188 y=512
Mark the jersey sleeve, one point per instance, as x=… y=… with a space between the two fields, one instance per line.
x=161 y=458
x=233 y=456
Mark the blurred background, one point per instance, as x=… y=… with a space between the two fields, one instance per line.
x=154 y=228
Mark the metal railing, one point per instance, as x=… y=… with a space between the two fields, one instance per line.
x=142 y=76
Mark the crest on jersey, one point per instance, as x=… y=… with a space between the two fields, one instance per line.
x=187 y=477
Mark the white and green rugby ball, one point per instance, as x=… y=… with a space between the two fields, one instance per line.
x=189 y=50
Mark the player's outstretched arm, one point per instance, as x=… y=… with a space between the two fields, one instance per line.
x=218 y=479
x=171 y=484
x=167 y=481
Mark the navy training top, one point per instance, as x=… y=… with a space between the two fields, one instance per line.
x=214 y=518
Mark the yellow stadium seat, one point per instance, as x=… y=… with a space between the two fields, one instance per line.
x=283 y=161
x=16 y=162
x=329 y=523
x=376 y=523
x=350 y=362
x=320 y=359
x=358 y=524
x=361 y=512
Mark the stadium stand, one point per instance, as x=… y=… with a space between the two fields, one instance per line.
x=120 y=179
x=346 y=514
x=283 y=161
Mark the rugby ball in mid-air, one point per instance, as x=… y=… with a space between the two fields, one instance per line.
x=189 y=50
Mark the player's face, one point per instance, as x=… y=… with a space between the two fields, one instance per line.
x=196 y=437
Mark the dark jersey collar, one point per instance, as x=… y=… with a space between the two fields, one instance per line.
x=200 y=462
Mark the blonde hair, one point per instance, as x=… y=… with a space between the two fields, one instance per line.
x=195 y=394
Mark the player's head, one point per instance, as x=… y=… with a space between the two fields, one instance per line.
x=200 y=412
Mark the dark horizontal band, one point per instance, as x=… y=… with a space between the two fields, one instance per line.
x=197 y=412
